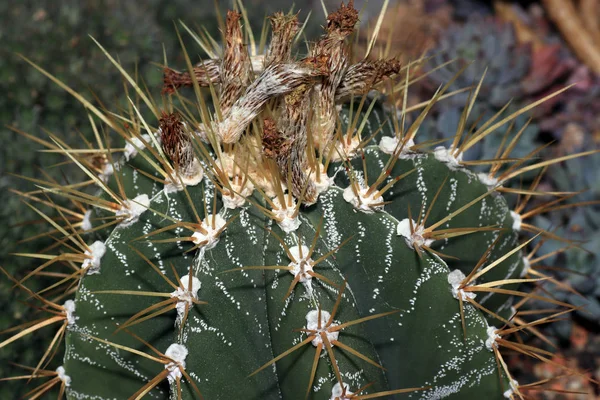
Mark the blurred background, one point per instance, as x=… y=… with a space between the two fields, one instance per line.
x=530 y=48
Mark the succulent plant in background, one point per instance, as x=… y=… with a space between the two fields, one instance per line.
x=516 y=73
x=279 y=236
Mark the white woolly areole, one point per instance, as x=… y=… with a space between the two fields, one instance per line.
x=324 y=181
x=312 y=323
x=187 y=180
x=131 y=148
x=302 y=266
x=391 y=145
x=517 y=221
x=337 y=392
x=212 y=234
x=345 y=149
x=415 y=238
x=487 y=180
x=69 y=307
x=86 y=222
x=455 y=279
x=96 y=252
x=442 y=154
x=513 y=388
x=362 y=202
x=107 y=171
x=185 y=296
x=492 y=336
x=237 y=198
x=284 y=215
x=177 y=353
x=132 y=209
x=526 y=267
x=62 y=375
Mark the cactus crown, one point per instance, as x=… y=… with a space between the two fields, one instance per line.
x=285 y=239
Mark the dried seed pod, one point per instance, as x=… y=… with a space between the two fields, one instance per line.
x=340 y=24
x=284 y=28
x=276 y=80
x=177 y=146
x=206 y=73
x=236 y=68
x=361 y=77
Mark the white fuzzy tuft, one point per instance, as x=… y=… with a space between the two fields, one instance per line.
x=239 y=195
x=301 y=266
x=455 y=279
x=337 y=392
x=212 y=234
x=514 y=385
x=107 y=171
x=391 y=145
x=324 y=181
x=284 y=215
x=86 y=222
x=177 y=353
x=345 y=149
x=312 y=323
x=188 y=180
x=487 y=180
x=526 y=267
x=363 y=202
x=131 y=148
x=442 y=154
x=69 y=307
x=62 y=375
x=415 y=238
x=517 y=221
x=132 y=209
x=492 y=336
x=96 y=252
x=185 y=296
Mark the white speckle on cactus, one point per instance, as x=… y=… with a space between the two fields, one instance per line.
x=492 y=336
x=177 y=353
x=337 y=393
x=415 y=238
x=526 y=267
x=391 y=145
x=95 y=253
x=312 y=323
x=132 y=209
x=363 y=202
x=185 y=296
x=131 y=148
x=62 y=375
x=211 y=238
x=69 y=307
x=236 y=196
x=284 y=214
x=324 y=181
x=455 y=279
x=487 y=180
x=86 y=222
x=517 y=221
x=442 y=154
x=107 y=171
x=513 y=388
x=301 y=266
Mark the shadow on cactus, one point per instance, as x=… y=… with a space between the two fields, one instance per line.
x=282 y=236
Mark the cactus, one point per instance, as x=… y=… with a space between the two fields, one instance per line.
x=285 y=239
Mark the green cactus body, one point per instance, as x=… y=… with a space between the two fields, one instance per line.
x=265 y=255
x=248 y=319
